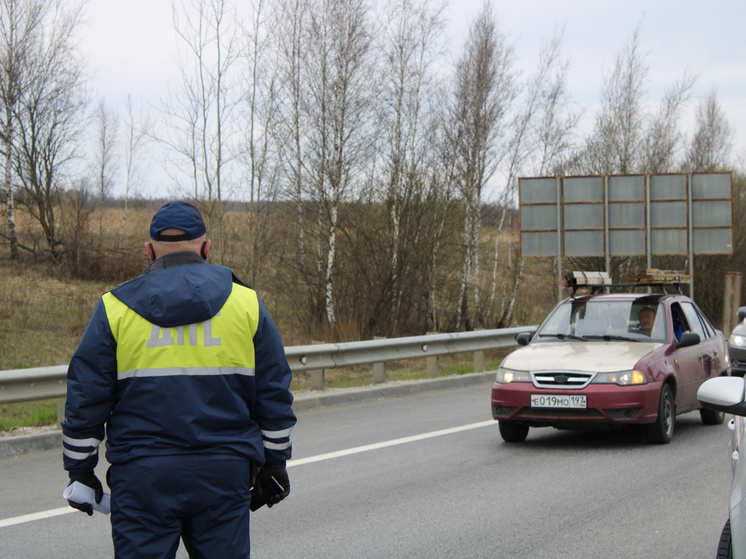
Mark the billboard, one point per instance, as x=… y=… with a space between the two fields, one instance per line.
x=626 y=215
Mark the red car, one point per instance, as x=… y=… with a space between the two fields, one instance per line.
x=609 y=361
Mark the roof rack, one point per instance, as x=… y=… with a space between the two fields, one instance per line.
x=652 y=277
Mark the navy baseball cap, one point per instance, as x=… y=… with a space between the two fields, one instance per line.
x=177 y=215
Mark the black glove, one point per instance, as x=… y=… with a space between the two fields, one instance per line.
x=266 y=491
x=91 y=481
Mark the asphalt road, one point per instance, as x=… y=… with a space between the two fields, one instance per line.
x=428 y=476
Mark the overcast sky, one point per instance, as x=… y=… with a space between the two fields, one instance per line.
x=130 y=45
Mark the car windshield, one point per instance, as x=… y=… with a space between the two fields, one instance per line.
x=604 y=320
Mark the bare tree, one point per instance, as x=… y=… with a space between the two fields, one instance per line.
x=135 y=142
x=260 y=152
x=542 y=133
x=107 y=126
x=201 y=111
x=409 y=50
x=484 y=91
x=20 y=27
x=50 y=116
x=442 y=177
x=713 y=138
x=77 y=207
x=338 y=90
x=616 y=143
x=663 y=137
x=292 y=27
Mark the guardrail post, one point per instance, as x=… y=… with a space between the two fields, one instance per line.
x=379 y=373
x=61 y=409
x=317 y=376
x=480 y=365
x=431 y=363
x=379 y=368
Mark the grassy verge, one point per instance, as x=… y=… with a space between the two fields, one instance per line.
x=43 y=413
x=28 y=414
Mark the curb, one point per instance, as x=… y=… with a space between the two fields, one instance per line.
x=25 y=444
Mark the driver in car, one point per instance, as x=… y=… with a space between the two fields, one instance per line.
x=647 y=319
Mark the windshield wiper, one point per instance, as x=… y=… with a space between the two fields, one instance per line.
x=607 y=337
x=564 y=336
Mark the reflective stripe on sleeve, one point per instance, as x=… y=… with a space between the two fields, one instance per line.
x=79 y=455
x=186 y=371
x=273 y=440
x=277 y=434
x=80 y=442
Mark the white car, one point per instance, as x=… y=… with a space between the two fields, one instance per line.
x=726 y=394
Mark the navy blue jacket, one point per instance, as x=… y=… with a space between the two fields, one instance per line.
x=182 y=359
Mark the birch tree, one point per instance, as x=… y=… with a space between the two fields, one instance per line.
x=409 y=47
x=616 y=142
x=105 y=163
x=484 y=90
x=201 y=109
x=542 y=133
x=20 y=26
x=259 y=154
x=628 y=138
x=663 y=137
x=135 y=142
x=292 y=26
x=338 y=89
x=713 y=138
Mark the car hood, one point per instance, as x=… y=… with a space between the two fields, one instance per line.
x=740 y=330
x=578 y=356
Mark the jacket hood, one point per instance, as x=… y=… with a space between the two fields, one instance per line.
x=580 y=356
x=176 y=295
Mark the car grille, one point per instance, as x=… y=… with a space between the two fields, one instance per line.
x=536 y=413
x=562 y=380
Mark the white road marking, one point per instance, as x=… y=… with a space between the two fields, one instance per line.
x=35 y=516
x=385 y=444
x=291 y=463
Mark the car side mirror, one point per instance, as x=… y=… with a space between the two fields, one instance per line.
x=741 y=313
x=723 y=394
x=523 y=338
x=687 y=339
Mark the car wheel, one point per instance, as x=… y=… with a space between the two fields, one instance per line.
x=661 y=431
x=513 y=432
x=711 y=417
x=724 y=545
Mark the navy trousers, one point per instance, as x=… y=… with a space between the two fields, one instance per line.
x=203 y=499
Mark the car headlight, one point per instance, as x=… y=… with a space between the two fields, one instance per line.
x=506 y=376
x=736 y=340
x=622 y=378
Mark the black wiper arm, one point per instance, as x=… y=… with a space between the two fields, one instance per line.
x=608 y=337
x=564 y=336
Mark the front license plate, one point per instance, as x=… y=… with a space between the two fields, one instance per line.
x=567 y=401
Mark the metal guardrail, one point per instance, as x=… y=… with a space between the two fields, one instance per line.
x=42 y=383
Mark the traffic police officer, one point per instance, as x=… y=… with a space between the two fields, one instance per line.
x=187 y=373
